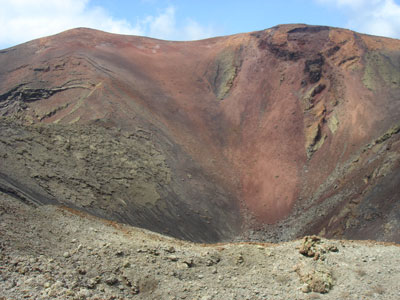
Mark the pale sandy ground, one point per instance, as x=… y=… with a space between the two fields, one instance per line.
x=51 y=253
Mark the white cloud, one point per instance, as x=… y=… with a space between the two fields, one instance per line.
x=23 y=20
x=164 y=26
x=194 y=31
x=377 y=17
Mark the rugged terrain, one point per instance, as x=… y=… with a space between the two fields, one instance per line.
x=266 y=136
x=48 y=252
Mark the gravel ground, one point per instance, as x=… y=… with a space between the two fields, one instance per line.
x=49 y=252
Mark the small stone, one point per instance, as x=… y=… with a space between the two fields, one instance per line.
x=74 y=240
x=92 y=283
x=306 y=288
x=170 y=250
x=182 y=266
x=84 y=293
x=66 y=254
x=112 y=280
x=172 y=258
x=82 y=271
x=127 y=264
x=189 y=263
x=33 y=260
x=209 y=262
x=134 y=289
x=239 y=259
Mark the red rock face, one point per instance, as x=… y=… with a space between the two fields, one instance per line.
x=295 y=126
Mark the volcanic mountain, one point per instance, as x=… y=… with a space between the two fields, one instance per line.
x=268 y=135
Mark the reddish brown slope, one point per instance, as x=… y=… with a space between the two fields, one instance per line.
x=277 y=122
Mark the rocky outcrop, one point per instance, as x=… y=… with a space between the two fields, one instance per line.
x=223 y=72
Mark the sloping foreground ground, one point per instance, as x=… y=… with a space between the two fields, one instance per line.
x=273 y=134
x=47 y=252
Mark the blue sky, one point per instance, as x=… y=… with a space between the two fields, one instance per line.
x=23 y=20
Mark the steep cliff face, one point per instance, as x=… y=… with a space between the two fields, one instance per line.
x=290 y=130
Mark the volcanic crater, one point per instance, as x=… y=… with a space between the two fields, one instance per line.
x=269 y=135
